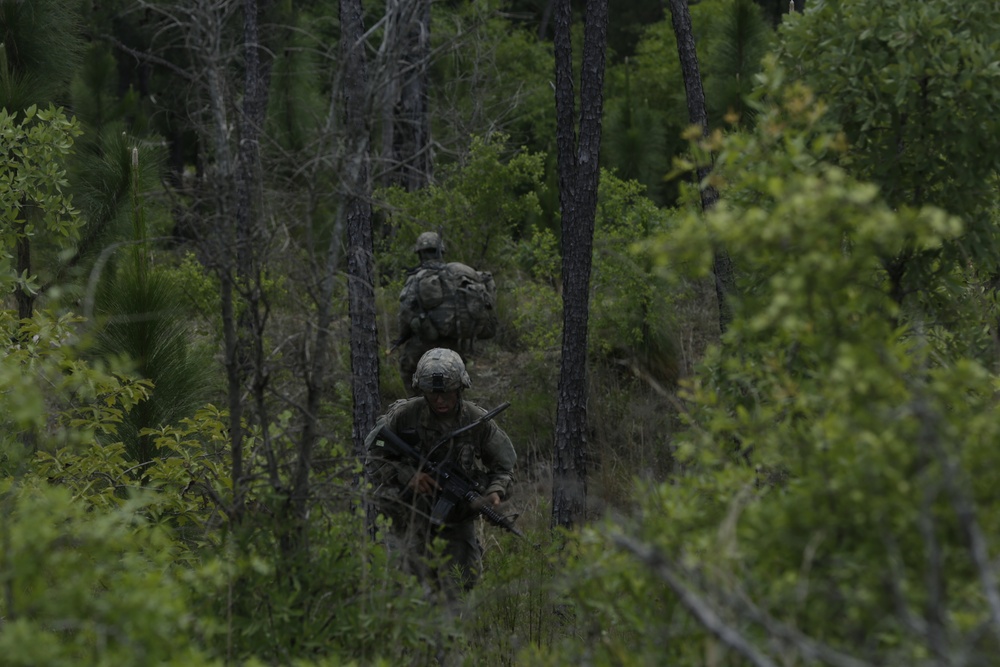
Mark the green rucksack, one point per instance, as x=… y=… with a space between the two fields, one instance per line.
x=450 y=300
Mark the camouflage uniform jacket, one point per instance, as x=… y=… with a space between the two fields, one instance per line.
x=484 y=452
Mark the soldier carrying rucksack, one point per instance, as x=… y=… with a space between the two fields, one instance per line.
x=448 y=305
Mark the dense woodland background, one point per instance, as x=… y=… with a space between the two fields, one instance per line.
x=206 y=215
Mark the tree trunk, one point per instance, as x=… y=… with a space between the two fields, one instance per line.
x=406 y=126
x=579 y=175
x=257 y=82
x=360 y=249
x=723 y=267
x=218 y=249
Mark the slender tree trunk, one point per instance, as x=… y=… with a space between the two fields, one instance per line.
x=251 y=254
x=237 y=239
x=725 y=280
x=256 y=86
x=579 y=175
x=360 y=249
x=221 y=239
x=406 y=120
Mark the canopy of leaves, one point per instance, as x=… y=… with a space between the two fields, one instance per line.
x=915 y=87
x=477 y=207
x=818 y=491
x=831 y=445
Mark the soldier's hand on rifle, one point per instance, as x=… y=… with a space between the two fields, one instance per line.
x=489 y=500
x=423 y=483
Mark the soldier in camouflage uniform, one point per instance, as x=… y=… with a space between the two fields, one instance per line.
x=430 y=249
x=406 y=495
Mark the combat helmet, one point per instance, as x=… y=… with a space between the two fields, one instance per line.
x=429 y=241
x=441 y=369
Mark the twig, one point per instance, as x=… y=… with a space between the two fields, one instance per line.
x=694 y=603
x=810 y=649
x=965 y=511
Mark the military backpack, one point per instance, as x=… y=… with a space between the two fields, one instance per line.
x=450 y=300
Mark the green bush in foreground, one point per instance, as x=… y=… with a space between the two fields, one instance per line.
x=88 y=588
x=834 y=501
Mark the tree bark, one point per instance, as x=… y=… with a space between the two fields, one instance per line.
x=256 y=84
x=360 y=249
x=697 y=114
x=249 y=237
x=406 y=131
x=218 y=249
x=579 y=175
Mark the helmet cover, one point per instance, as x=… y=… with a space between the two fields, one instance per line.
x=429 y=241
x=441 y=369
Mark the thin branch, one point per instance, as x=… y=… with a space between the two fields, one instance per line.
x=695 y=604
x=142 y=56
x=965 y=510
x=701 y=609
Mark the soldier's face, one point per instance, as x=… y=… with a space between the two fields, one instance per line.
x=442 y=402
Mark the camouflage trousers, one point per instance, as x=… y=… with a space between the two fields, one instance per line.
x=447 y=559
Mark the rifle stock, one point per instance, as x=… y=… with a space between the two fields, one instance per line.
x=455 y=488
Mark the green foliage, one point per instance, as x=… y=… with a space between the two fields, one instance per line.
x=828 y=479
x=735 y=45
x=629 y=309
x=916 y=88
x=489 y=75
x=343 y=598
x=515 y=605
x=49 y=395
x=88 y=588
x=98 y=104
x=829 y=459
x=35 y=68
x=111 y=178
x=731 y=38
x=646 y=109
x=347 y=602
x=477 y=207
x=595 y=602
x=43 y=370
x=634 y=145
x=33 y=199
x=537 y=320
x=298 y=104
x=183 y=489
x=200 y=292
x=146 y=327
x=645 y=112
x=538 y=256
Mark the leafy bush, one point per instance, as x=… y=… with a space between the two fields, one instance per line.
x=631 y=309
x=828 y=468
x=95 y=588
x=478 y=207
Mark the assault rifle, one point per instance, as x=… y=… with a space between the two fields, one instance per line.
x=455 y=487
